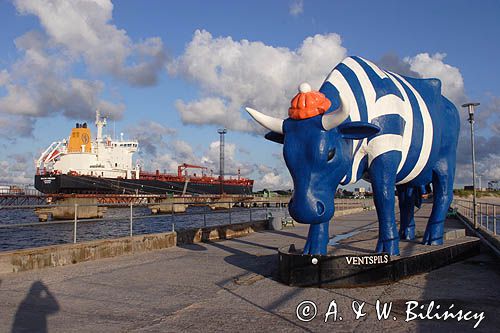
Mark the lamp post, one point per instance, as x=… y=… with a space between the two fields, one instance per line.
x=221 y=132
x=470 y=108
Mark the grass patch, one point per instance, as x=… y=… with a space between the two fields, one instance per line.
x=479 y=194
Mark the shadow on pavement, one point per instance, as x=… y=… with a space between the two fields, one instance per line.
x=31 y=315
x=266 y=265
x=192 y=247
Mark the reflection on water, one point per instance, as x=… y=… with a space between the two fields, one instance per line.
x=143 y=223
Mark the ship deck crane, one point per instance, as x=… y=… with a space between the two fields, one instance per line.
x=181 y=168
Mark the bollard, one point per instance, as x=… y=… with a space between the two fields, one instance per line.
x=131 y=220
x=173 y=227
x=74 y=227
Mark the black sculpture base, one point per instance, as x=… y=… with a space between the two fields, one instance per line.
x=352 y=263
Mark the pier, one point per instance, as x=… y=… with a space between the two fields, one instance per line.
x=64 y=206
x=234 y=284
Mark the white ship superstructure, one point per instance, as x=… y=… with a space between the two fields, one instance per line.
x=79 y=155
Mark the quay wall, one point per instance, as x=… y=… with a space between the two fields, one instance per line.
x=66 y=254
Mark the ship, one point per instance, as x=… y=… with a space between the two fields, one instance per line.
x=81 y=165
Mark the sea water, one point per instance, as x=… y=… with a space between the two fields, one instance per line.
x=116 y=223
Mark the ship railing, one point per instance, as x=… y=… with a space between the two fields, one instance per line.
x=20 y=191
x=486 y=214
x=135 y=221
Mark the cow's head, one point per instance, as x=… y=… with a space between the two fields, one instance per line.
x=317 y=147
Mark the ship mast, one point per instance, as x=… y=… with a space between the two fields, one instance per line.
x=99 y=123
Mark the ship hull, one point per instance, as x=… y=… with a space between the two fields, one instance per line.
x=67 y=184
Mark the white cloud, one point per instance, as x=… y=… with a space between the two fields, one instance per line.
x=183 y=152
x=232 y=74
x=150 y=135
x=37 y=85
x=83 y=29
x=40 y=83
x=13 y=127
x=210 y=110
x=163 y=162
x=17 y=169
x=487 y=169
x=296 y=7
x=433 y=66
x=273 y=181
x=211 y=159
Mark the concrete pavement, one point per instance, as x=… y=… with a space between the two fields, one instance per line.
x=231 y=286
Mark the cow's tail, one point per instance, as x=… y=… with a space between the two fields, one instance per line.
x=420 y=193
x=418 y=190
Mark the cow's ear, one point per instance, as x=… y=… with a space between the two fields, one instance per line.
x=357 y=130
x=275 y=137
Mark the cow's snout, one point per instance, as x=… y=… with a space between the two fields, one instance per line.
x=312 y=211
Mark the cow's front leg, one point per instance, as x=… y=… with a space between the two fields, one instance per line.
x=317 y=239
x=383 y=176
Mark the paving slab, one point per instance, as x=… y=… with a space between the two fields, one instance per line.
x=232 y=285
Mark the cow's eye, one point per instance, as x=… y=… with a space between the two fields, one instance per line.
x=331 y=154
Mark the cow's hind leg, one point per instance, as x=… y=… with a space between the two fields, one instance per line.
x=383 y=175
x=317 y=239
x=406 y=196
x=442 y=183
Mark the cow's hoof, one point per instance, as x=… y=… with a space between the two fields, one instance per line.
x=407 y=233
x=433 y=233
x=314 y=248
x=317 y=239
x=390 y=246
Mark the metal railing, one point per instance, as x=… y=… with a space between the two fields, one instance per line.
x=134 y=215
x=19 y=191
x=486 y=213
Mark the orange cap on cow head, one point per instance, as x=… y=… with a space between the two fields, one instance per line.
x=307 y=103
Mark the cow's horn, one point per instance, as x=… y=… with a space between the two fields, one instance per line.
x=271 y=123
x=334 y=119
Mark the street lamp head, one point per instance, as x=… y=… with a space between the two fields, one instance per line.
x=222 y=131
x=470 y=107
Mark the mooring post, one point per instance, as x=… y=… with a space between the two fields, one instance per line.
x=131 y=219
x=74 y=226
x=250 y=213
x=229 y=213
x=204 y=219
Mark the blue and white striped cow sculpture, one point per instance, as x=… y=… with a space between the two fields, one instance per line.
x=367 y=123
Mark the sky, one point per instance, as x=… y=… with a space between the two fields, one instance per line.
x=169 y=74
